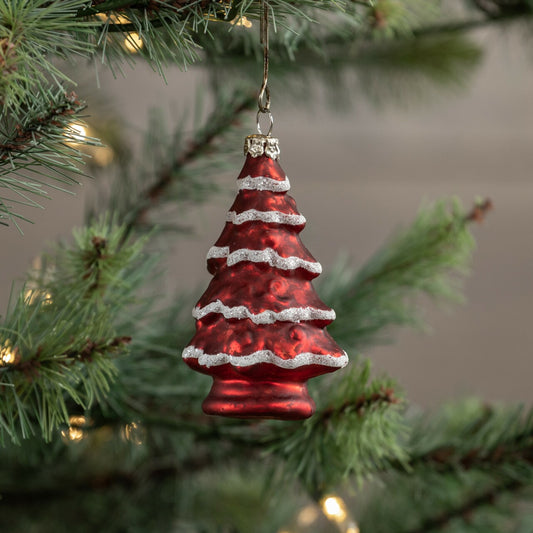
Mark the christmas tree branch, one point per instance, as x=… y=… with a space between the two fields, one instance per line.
x=424 y=259
x=469 y=507
x=217 y=124
x=41 y=145
x=354 y=433
x=172 y=165
x=461 y=459
x=44 y=29
x=486 y=439
x=449 y=458
x=148 y=472
x=42 y=375
x=473 y=24
x=361 y=404
x=23 y=136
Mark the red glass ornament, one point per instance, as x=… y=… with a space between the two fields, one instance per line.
x=260 y=326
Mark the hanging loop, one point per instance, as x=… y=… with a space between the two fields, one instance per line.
x=270 y=118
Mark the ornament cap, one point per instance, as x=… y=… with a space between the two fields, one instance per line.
x=258 y=144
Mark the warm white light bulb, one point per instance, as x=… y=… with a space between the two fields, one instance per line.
x=241 y=21
x=133 y=42
x=75 y=431
x=8 y=355
x=352 y=528
x=102 y=155
x=79 y=132
x=334 y=508
x=307 y=515
x=134 y=433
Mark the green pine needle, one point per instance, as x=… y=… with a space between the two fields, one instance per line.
x=426 y=259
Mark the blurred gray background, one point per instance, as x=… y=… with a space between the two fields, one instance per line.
x=356 y=177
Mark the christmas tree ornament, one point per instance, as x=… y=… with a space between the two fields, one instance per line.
x=260 y=326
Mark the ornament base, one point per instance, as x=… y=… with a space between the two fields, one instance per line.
x=259 y=399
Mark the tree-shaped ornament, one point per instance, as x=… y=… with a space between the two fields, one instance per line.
x=260 y=326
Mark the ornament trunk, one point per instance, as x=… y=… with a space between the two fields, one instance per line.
x=260 y=326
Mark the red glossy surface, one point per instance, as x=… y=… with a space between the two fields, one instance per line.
x=259 y=399
x=282 y=238
x=216 y=334
x=262 y=389
x=265 y=201
x=262 y=166
x=260 y=288
x=262 y=372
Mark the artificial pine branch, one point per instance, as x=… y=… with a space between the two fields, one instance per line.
x=362 y=404
x=468 y=508
x=424 y=259
x=58 y=339
x=25 y=135
x=38 y=149
x=523 y=10
x=355 y=432
x=463 y=459
x=207 y=142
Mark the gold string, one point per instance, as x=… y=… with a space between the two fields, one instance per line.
x=263 y=100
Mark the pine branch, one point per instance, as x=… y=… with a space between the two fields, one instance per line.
x=173 y=166
x=484 y=439
x=108 y=481
x=355 y=432
x=424 y=259
x=361 y=404
x=450 y=458
x=38 y=150
x=466 y=457
x=522 y=11
x=216 y=125
x=42 y=374
x=26 y=135
x=469 y=507
x=32 y=33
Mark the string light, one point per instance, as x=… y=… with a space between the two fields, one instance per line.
x=334 y=508
x=113 y=18
x=75 y=431
x=32 y=295
x=8 y=354
x=237 y=21
x=80 y=132
x=241 y=21
x=307 y=515
x=134 y=432
x=102 y=155
x=352 y=528
x=133 y=43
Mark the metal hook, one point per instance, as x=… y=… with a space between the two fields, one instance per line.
x=263 y=99
x=270 y=117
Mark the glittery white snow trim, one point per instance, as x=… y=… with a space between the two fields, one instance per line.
x=293 y=314
x=265 y=216
x=218 y=252
x=263 y=256
x=262 y=183
x=263 y=356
